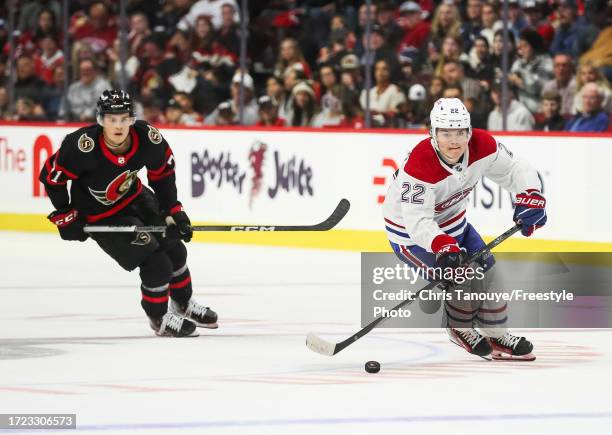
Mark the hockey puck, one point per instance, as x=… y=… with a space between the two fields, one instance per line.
x=372 y=367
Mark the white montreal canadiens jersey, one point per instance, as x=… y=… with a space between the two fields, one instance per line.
x=428 y=198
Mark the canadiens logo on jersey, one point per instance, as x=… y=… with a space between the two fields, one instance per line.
x=454 y=199
x=116 y=189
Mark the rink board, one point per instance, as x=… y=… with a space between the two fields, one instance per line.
x=243 y=176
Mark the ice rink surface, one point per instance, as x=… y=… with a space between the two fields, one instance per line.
x=73 y=339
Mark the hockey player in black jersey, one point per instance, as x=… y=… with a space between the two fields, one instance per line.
x=102 y=162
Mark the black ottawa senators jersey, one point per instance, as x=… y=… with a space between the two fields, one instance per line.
x=104 y=183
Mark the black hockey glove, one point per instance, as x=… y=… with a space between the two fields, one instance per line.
x=182 y=222
x=69 y=224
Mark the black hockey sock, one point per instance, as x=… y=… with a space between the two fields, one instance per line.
x=180 y=285
x=155 y=273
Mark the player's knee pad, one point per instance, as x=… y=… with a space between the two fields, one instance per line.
x=156 y=270
x=177 y=254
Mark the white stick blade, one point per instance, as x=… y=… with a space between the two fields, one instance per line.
x=318 y=345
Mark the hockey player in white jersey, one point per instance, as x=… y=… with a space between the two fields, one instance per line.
x=425 y=218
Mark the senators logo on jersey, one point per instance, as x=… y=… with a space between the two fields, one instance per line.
x=116 y=189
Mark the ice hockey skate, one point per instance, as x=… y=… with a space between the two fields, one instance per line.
x=203 y=316
x=511 y=348
x=171 y=325
x=471 y=340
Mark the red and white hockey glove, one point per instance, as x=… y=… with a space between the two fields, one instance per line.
x=530 y=211
x=69 y=224
x=179 y=218
x=448 y=252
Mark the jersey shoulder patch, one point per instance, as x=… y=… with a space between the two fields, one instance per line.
x=423 y=164
x=147 y=132
x=82 y=140
x=481 y=145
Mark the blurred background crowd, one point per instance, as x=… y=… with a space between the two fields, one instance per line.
x=311 y=63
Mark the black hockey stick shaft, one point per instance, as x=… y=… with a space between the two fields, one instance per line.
x=353 y=338
x=337 y=215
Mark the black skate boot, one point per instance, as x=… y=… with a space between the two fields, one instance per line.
x=470 y=340
x=511 y=348
x=203 y=316
x=171 y=325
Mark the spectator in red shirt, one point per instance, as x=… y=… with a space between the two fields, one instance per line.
x=50 y=58
x=268 y=113
x=416 y=29
x=98 y=28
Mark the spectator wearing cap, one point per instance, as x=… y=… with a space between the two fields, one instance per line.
x=481 y=65
x=472 y=26
x=290 y=56
x=385 y=18
x=551 y=119
x=207 y=8
x=491 y=23
x=593 y=118
x=565 y=40
x=350 y=73
x=516 y=18
x=174 y=113
x=588 y=73
x=83 y=94
x=519 y=118
x=385 y=96
x=378 y=51
x=531 y=69
x=250 y=109
x=564 y=83
x=416 y=29
x=268 y=113
x=304 y=106
x=417 y=97
x=535 y=20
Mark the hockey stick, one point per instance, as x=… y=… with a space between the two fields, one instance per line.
x=341 y=210
x=324 y=347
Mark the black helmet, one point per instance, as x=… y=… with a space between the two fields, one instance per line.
x=114 y=101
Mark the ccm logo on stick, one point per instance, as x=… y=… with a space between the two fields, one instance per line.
x=253 y=228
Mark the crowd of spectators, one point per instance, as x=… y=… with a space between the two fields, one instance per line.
x=306 y=61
